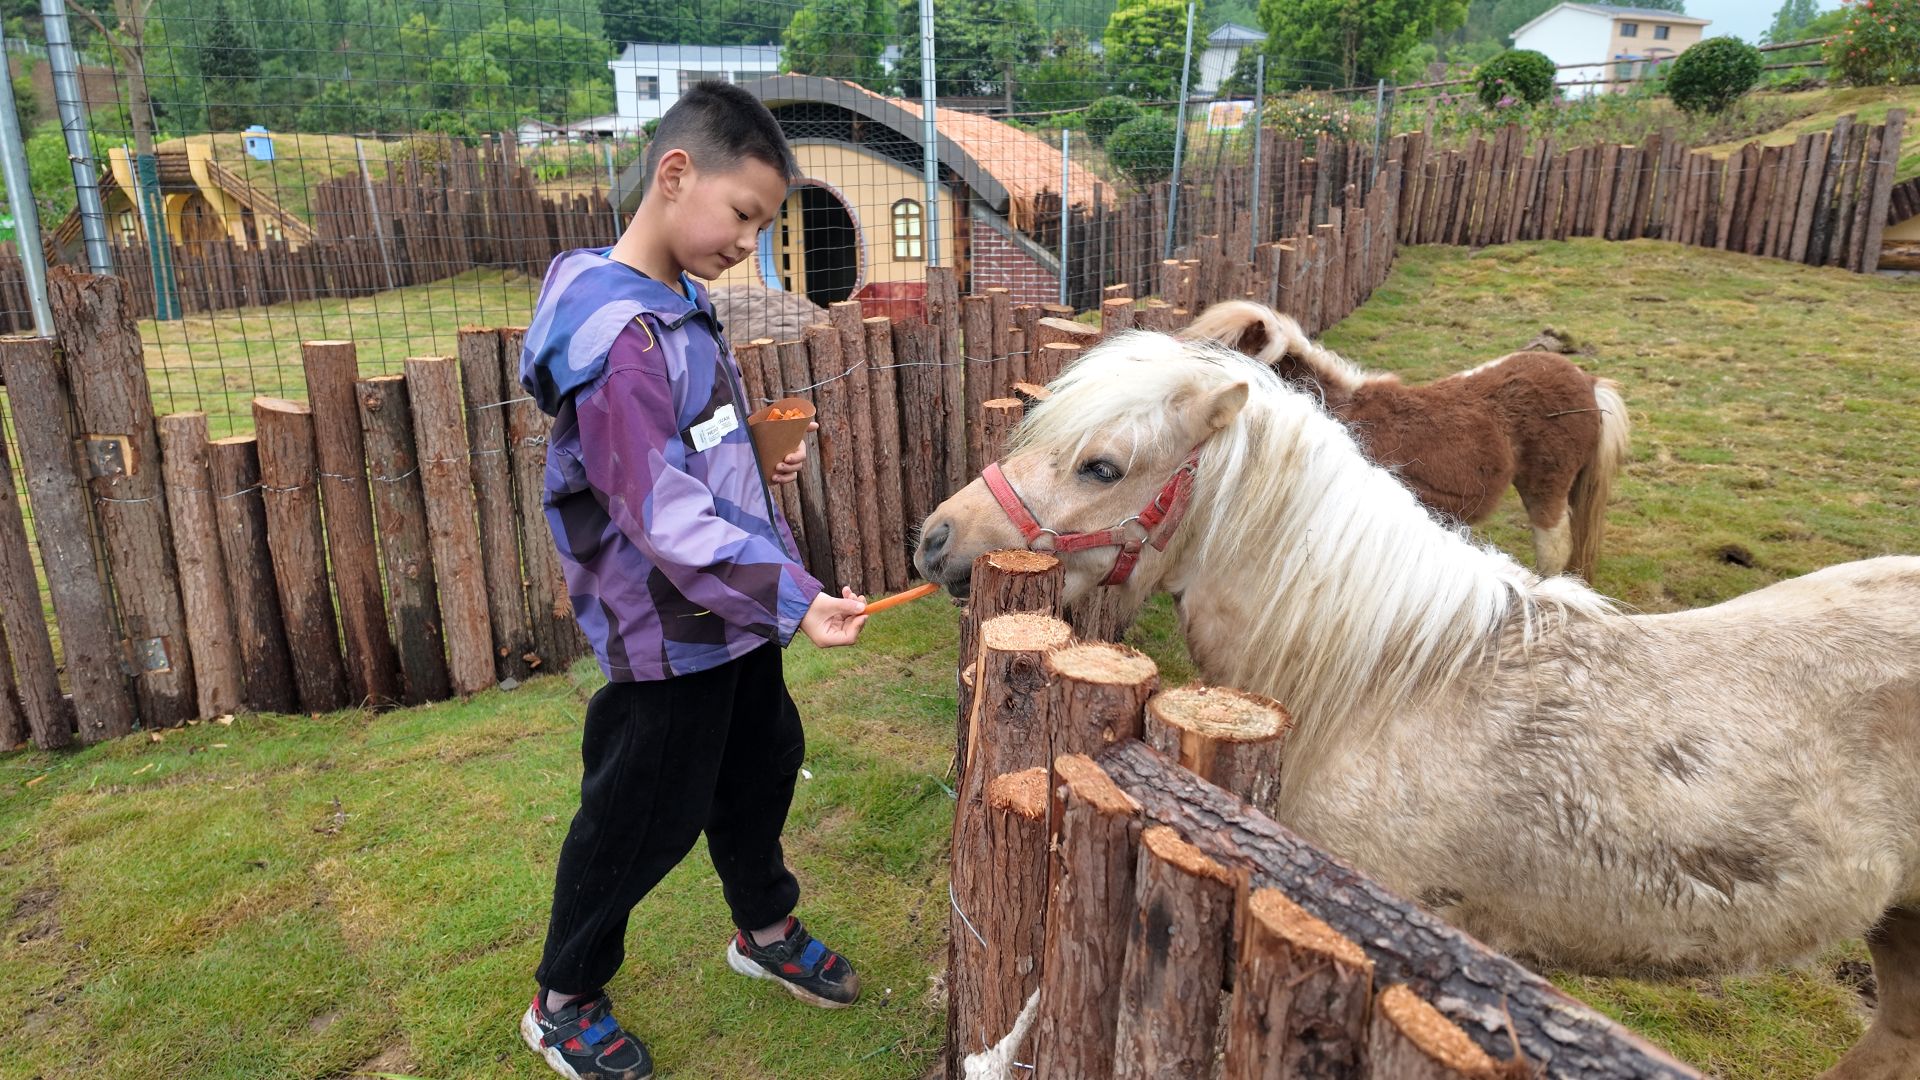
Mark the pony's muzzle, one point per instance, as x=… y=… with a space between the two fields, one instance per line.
x=931 y=556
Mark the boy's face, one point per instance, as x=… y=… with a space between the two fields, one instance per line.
x=715 y=217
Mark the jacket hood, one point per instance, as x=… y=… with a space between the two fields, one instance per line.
x=586 y=300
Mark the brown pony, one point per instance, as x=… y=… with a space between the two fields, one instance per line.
x=1529 y=419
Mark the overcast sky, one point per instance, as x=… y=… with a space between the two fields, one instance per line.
x=1742 y=18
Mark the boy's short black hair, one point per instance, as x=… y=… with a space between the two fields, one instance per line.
x=720 y=125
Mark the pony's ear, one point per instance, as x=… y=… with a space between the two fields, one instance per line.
x=1219 y=410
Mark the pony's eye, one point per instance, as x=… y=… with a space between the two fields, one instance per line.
x=1101 y=469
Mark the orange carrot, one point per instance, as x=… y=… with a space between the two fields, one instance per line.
x=896 y=599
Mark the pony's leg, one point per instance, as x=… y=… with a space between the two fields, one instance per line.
x=1553 y=546
x=1890 y=1050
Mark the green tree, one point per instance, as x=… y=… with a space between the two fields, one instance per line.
x=976 y=42
x=1678 y=7
x=837 y=38
x=1356 y=40
x=1145 y=40
x=1788 y=21
x=1069 y=78
x=682 y=22
x=1713 y=74
x=225 y=51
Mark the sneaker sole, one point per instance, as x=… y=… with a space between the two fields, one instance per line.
x=530 y=1031
x=744 y=964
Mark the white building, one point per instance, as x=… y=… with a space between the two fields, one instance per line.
x=648 y=78
x=1223 y=51
x=1611 y=44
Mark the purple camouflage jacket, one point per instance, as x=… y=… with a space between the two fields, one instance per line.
x=675 y=556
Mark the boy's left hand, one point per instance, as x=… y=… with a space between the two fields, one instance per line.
x=789 y=467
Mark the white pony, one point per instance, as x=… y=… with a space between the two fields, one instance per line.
x=1709 y=790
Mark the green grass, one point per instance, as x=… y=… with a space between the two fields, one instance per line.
x=184 y=908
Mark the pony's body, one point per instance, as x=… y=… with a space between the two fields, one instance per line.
x=1530 y=420
x=1708 y=790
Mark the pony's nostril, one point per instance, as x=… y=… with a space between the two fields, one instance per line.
x=934 y=543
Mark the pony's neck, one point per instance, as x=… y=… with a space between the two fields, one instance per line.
x=1311 y=576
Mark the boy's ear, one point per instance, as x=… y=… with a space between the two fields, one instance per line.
x=670 y=175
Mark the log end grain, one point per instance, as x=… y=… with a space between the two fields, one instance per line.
x=1104 y=663
x=1016 y=561
x=1436 y=1036
x=1169 y=848
x=1023 y=793
x=1025 y=632
x=281 y=405
x=1220 y=714
x=1294 y=924
x=1089 y=782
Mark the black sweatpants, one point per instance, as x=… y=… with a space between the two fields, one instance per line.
x=715 y=751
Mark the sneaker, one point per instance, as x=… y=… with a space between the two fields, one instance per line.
x=582 y=1040
x=809 y=970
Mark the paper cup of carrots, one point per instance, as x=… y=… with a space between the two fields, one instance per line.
x=777 y=430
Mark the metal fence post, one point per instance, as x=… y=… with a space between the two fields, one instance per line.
x=929 y=134
x=1066 y=137
x=1259 y=103
x=1179 y=135
x=26 y=216
x=65 y=66
x=1379 y=119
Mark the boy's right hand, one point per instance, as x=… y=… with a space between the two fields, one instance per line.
x=834 y=620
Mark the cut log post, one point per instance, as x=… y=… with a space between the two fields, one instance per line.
x=985 y=369
x=13 y=722
x=393 y=466
x=999 y=418
x=1116 y=315
x=834 y=448
x=1000 y=583
x=90 y=646
x=1411 y=1040
x=23 y=628
x=373 y=668
x=1057 y=356
x=233 y=465
x=121 y=453
x=1176 y=957
x=1007 y=732
x=1880 y=174
x=874 y=535
x=1051 y=331
x=1499 y=1002
x=479 y=354
x=203 y=578
x=760 y=370
x=1000 y=307
x=921 y=440
x=1228 y=737
x=289 y=473
x=1030 y=394
x=446 y=481
x=1091 y=886
x=1821 y=235
x=1300 y=996
x=943 y=315
x=811 y=485
x=1157 y=315
x=557 y=640
x=895 y=528
x=1100 y=693
x=997 y=960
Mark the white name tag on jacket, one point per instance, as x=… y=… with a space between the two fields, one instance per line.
x=707 y=435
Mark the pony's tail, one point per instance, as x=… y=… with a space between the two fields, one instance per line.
x=1593 y=486
x=1244 y=326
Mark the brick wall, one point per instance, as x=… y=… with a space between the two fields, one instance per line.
x=999 y=263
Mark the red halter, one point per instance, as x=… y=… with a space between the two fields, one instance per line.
x=1153 y=525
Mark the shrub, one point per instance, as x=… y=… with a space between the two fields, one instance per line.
x=1879 y=42
x=1713 y=74
x=1143 y=148
x=1106 y=115
x=1517 y=75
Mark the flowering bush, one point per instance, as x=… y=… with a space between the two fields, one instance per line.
x=1303 y=116
x=1515 y=76
x=1713 y=74
x=1880 y=43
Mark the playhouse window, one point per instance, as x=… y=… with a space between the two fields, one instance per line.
x=906 y=230
x=1628 y=29
x=129 y=228
x=1660 y=33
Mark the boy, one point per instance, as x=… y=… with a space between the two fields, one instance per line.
x=683 y=576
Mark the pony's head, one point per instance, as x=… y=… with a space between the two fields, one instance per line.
x=1120 y=423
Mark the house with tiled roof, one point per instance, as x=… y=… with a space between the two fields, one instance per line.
x=1604 y=48
x=858 y=224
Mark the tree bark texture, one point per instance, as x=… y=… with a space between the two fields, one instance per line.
x=557 y=639
x=943 y=315
x=1001 y=582
x=233 y=466
x=90 y=645
x=289 y=474
x=1176 y=956
x=393 y=468
x=922 y=434
x=896 y=535
x=996 y=963
x=834 y=447
x=440 y=440
x=1090 y=908
x=1411 y=1040
x=1099 y=692
x=1300 y=997
x=373 y=668
x=211 y=642
x=1230 y=738
x=23 y=627
x=480 y=381
x=1491 y=997
x=122 y=457
x=875 y=538
x=811 y=485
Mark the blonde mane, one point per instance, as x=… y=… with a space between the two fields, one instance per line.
x=1375 y=605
